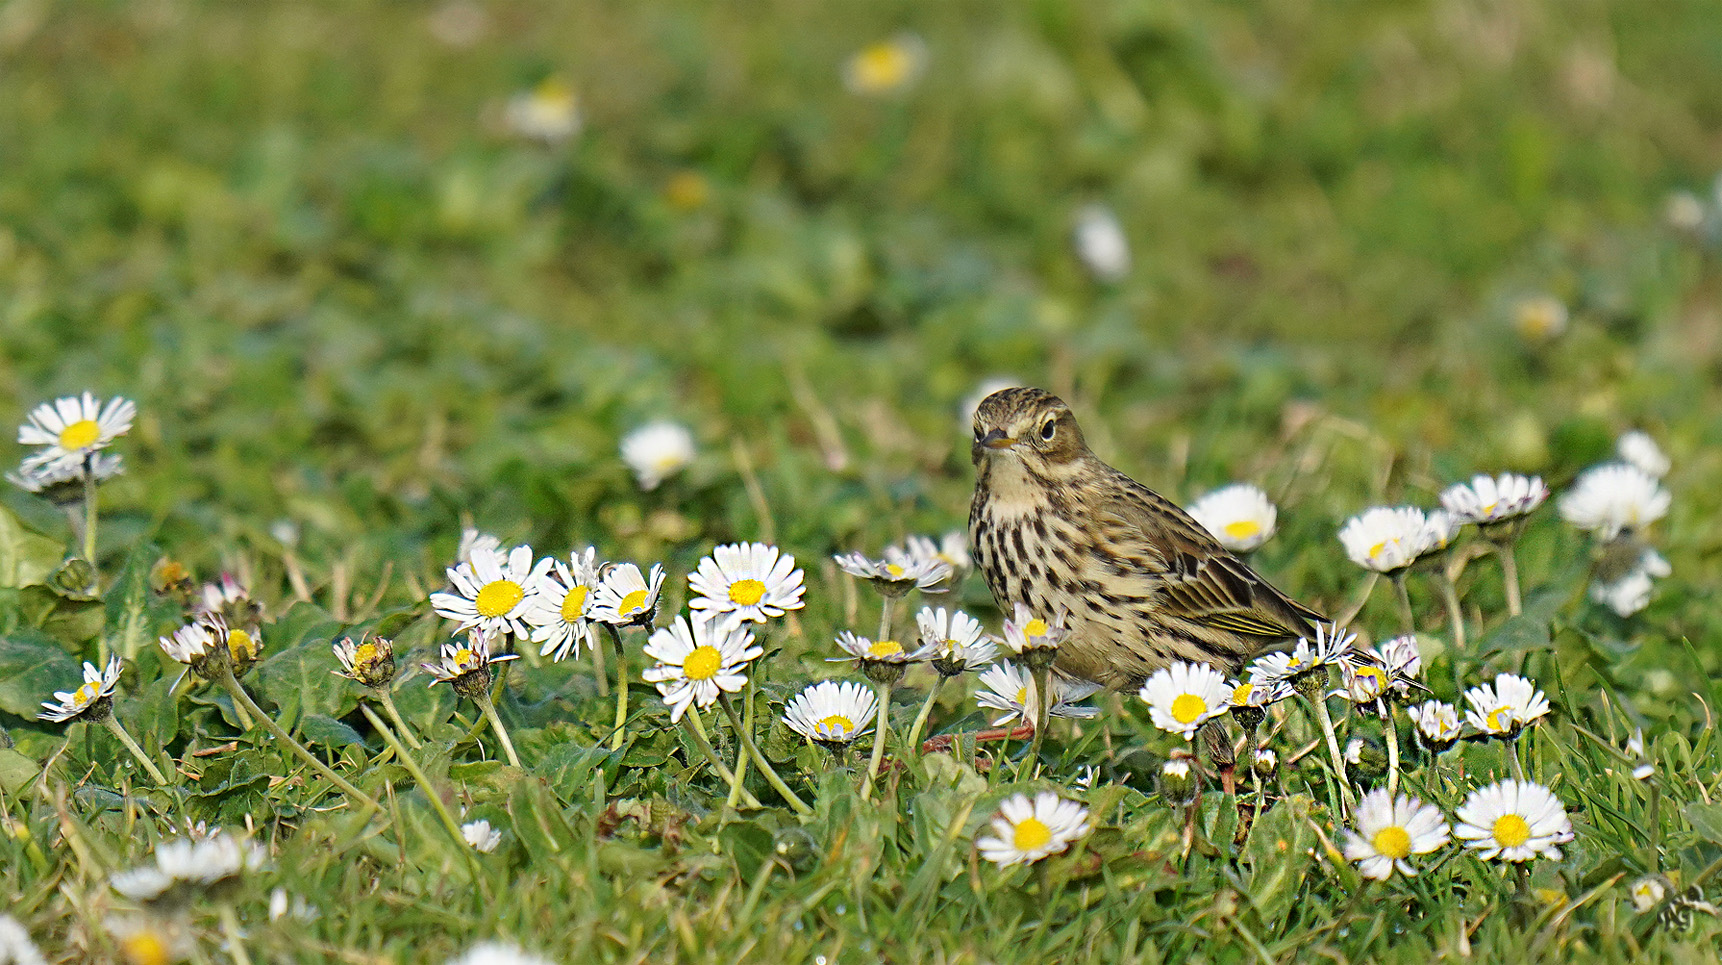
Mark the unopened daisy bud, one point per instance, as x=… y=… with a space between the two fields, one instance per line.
x=371 y=661
x=74 y=579
x=1648 y=892
x=1365 y=758
x=1179 y=782
x=1265 y=763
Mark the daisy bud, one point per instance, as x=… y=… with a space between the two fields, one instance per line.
x=1179 y=782
x=1265 y=763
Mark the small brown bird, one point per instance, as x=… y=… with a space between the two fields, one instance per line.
x=1141 y=584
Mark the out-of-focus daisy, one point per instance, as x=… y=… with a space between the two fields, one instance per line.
x=1386 y=539
x=697 y=661
x=1240 y=516
x=743 y=582
x=466 y=667
x=952 y=549
x=183 y=863
x=492 y=592
x=886 y=67
x=1026 y=831
x=560 y=613
x=625 y=597
x=1100 y=243
x=1183 y=696
x=656 y=451
x=1495 y=499
x=1389 y=831
x=1513 y=821
x=94 y=699
x=1630 y=592
x=232 y=600
x=1540 y=318
x=16 y=947
x=1613 y=498
x=954 y=641
x=71 y=428
x=282 y=904
x=149 y=939
x=1638 y=449
x=1365 y=757
x=1506 y=707
x=549 y=112
x=973 y=400
x=370 y=662
x=1648 y=892
x=62 y=482
x=1683 y=212
x=497 y=953
x=1031 y=638
x=481 y=836
x=1178 y=783
x=1439 y=527
x=1329 y=646
x=898 y=572
x=832 y=713
x=473 y=541
x=1437 y=724
x=1643 y=770
x=1010 y=688
x=1085 y=777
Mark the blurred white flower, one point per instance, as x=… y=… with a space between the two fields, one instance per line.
x=187 y=862
x=1612 y=498
x=1540 y=318
x=481 y=836
x=657 y=451
x=1637 y=448
x=1683 y=212
x=887 y=66
x=1101 y=244
x=1386 y=539
x=61 y=480
x=1494 y=499
x=73 y=427
x=1240 y=516
x=16 y=947
x=1630 y=593
x=549 y=112
x=1648 y=892
x=497 y=953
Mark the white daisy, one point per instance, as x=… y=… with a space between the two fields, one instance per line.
x=466 y=667
x=1182 y=696
x=1331 y=645
x=371 y=661
x=1391 y=830
x=832 y=713
x=626 y=597
x=497 y=953
x=955 y=640
x=193 y=643
x=1100 y=243
x=481 y=836
x=697 y=661
x=1630 y=593
x=1401 y=660
x=1026 y=831
x=1439 y=528
x=94 y=698
x=1513 y=821
x=188 y=862
x=72 y=428
x=473 y=541
x=492 y=592
x=1612 y=498
x=746 y=582
x=1639 y=450
x=560 y=612
x=1010 y=688
x=1027 y=635
x=952 y=549
x=1179 y=783
x=872 y=653
x=657 y=451
x=898 y=572
x=1495 y=499
x=1265 y=762
x=16 y=946
x=1647 y=892
x=1643 y=770
x=1248 y=695
x=886 y=67
x=1240 y=516
x=1386 y=539
x=1437 y=723
x=1539 y=318
x=549 y=112
x=1503 y=709
x=63 y=481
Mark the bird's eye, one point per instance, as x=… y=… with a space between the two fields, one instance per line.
x=1048 y=429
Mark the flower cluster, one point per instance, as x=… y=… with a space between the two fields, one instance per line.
x=1514 y=821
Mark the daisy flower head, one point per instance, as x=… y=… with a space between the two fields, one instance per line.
x=1240 y=516
x=1329 y=646
x=899 y=571
x=743 y=582
x=560 y=614
x=1178 y=783
x=1389 y=830
x=1494 y=499
x=1025 y=831
x=1010 y=688
x=1402 y=662
x=492 y=591
x=72 y=428
x=61 y=482
x=1265 y=762
x=185 y=866
x=1648 y=892
x=231 y=599
x=1249 y=700
x=952 y=549
x=1183 y=696
x=1386 y=539
x=497 y=953
x=481 y=836
x=1507 y=707
x=698 y=660
x=1100 y=243
x=549 y=112
x=1513 y=821
x=472 y=540
x=370 y=662
x=1365 y=683
x=1639 y=450
x=954 y=641
x=1614 y=498
x=95 y=699
x=1437 y=724
x=1643 y=769
x=466 y=667
x=656 y=451
x=1440 y=527
x=886 y=67
x=832 y=713
x=1630 y=592
x=883 y=661
x=1539 y=318
x=16 y=946
x=625 y=597
x=198 y=645
x=1031 y=638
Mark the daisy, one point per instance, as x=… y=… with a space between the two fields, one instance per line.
x=952 y=549
x=1385 y=539
x=1249 y=701
x=1495 y=499
x=1026 y=831
x=955 y=641
x=492 y=592
x=1439 y=528
x=881 y=660
x=1639 y=450
x=1331 y=645
x=62 y=482
x=497 y=953
x=370 y=662
x=473 y=541
x=481 y=836
x=1401 y=660
x=697 y=661
x=1505 y=708
x=1647 y=892
x=746 y=582
x=1437 y=724
x=16 y=946
x=1010 y=688
x=95 y=698
x=146 y=939
x=1539 y=318
x=626 y=598
x=467 y=668
x=184 y=863
x=1390 y=830
x=886 y=67
x=231 y=600
x=1613 y=498
x=1265 y=762
x=1179 y=784
x=1630 y=592
x=1240 y=516
x=549 y=112
x=1644 y=769
x=898 y=572
x=657 y=451
x=1182 y=696
x=1032 y=638
x=194 y=643
x=73 y=428
x=1513 y=821
x=561 y=611
x=1100 y=243
x=832 y=713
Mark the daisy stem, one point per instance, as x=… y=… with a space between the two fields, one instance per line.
x=741 y=751
x=696 y=729
x=1326 y=721
x=926 y=709
x=235 y=938
x=1391 y=727
x=883 y=690
x=1655 y=857
x=241 y=698
x=388 y=703
x=1455 y=614
x=621 y=687
x=884 y=618
x=1404 y=595
x=90 y=515
x=1510 y=578
x=1042 y=713
x=113 y=725
x=760 y=762
x=599 y=673
x=1513 y=760
x=425 y=788
x=489 y=707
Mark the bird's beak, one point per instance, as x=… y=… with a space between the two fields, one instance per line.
x=996 y=439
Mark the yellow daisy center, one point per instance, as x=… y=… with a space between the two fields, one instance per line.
x=1241 y=693
x=1034 y=628
x=240 y=646
x=86 y=693
x=574 y=604
x=145 y=947
x=746 y=592
x=884 y=648
x=893 y=571
x=498 y=597
x=1022 y=696
x=1242 y=528
x=1376 y=550
x=462 y=658
x=1510 y=831
x=1499 y=719
x=881 y=67
x=1031 y=834
x=80 y=434
x=1188 y=708
x=1392 y=842
x=364 y=655
x=836 y=725
x=703 y=663
x=632 y=603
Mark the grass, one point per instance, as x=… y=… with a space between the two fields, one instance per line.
x=355 y=312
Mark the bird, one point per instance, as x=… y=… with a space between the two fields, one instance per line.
x=1138 y=582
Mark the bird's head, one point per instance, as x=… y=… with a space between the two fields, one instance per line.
x=1032 y=425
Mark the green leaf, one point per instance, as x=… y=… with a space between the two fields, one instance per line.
x=1278 y=853
x=16 y=770
x=1515 y=635
x=329 y=732
x=32 y=668
x=1706 y=819
x=26 y=557
x=300 y=680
